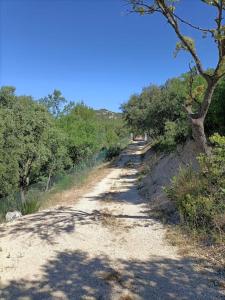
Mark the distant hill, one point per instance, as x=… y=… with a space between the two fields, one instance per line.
x=108 y=114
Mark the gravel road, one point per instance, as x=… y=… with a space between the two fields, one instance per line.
x=105 y=246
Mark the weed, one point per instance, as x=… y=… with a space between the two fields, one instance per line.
x=30 y=206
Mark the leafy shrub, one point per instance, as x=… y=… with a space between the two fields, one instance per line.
x=112 y=152
x=200 y=196
x=168 y=140
x=174 y=133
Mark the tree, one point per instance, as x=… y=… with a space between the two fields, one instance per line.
x=155 y=105
x=215 y=120
x=7 y=96
x=9 y=172
x=54 y=102
x=82 y=128
x=167 y=9
x=57 y=153
x=33 y=123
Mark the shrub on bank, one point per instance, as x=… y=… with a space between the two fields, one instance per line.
x=200 y=196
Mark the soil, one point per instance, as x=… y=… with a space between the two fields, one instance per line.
x=103 y=246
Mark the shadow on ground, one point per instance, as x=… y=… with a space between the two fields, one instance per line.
x=73 y=275
x=76 y=275
x=49 y=224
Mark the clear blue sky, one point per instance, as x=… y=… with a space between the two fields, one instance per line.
x=90 y=49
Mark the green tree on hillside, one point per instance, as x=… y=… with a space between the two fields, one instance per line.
x=31 y=135
x=41 y=139
x=54 y=102
x=154 y=106
x=9 y=171
x=167 y=9
x=7 y=96
x=82 y=128
x=57 y=153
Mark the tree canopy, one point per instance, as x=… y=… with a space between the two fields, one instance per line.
x=39 y=139
x=168 y=10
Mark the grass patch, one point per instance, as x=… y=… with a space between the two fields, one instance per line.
x=31 y=205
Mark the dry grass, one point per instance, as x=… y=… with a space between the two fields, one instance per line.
x=179 y=239
x=126 y=296
x=112 y=276
x=187 y=241
x=109 y=220
x=72 y=195
x=188 y=244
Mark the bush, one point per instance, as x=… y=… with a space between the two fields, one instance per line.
x=174 y=133
x=200 y=196
x=112 y=152
x=168 y=140
x=31 y=205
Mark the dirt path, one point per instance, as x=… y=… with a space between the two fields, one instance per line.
x=103 y=247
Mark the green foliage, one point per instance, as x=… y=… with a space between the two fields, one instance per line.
x=215 y=120
x=181 y=46
x=9 y=171
x=57 y=153
x=112 y=152
x=30 y=206
x=200 y=196
x=168 y=140
x=76 y=175
x=54 y=102
x=7 y=96
x=157 y=109
x=88 y=133
x=31 y=137
x=41 y=139
x=81 y=127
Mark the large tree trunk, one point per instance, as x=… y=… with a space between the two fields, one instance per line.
x=198 y=133
x=197 y=120
x=48 y=181
x=24 y=183
x=22 y=195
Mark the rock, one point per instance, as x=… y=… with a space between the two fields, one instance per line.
x=13 y=215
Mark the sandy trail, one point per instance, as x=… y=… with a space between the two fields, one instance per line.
x=103 y=247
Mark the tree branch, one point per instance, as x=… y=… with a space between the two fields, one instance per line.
x=205 y=30
x=173 y=22
x=219 y=41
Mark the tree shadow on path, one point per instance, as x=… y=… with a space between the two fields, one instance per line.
x=74 y=275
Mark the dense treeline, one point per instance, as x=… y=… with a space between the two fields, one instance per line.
x=159 y=110
x=39 y=139
x=199 y=196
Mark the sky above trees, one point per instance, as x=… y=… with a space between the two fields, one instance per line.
x=91 y=49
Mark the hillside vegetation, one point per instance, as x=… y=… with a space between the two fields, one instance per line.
x=198 y=195
x=50 y=141
x=191 y=106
